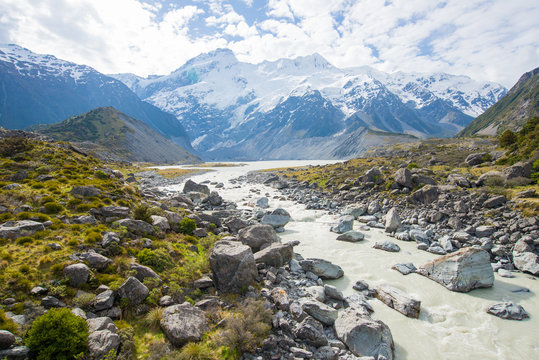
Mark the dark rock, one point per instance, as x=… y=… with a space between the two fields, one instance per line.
x=6 y=339
x=17 y=229
x=49 y=302
x=398 y=300
x=494 y=202
x=322 y=268
x=142 y=272
x=508 y=310
x=475 y=159
x=311 y=332
x=233 y=266
x=275 y=255
x=387 y=246
x=191 y=186
x=133 y=290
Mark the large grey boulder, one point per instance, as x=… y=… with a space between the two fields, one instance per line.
x=191 y=186
x=320 y=311
x=498 y=175
x=322 y=268
x=95 y=260
x=161 y=222
x=262 y=202
x=101 y=343
x=101 y=323
x=475 y=159
x=85 y=191
x=138 y=227
x=17 y=229
x=427 y=194
x=258 y=236
x=494 y=202
x=386 y=245
x=15 y=353
x=275 y=255
x=398 y=300
x=235 y=224
x=233 y=266
x=142 y=272
x=392 y=220
x=462 y=271
x=110 y=238
x=114 y=211
x=311 y=332
x=459 y=180
x=104 y=300
x=403 y=177
x=364 y=336
x=351 y=236
x=344 y=224
x=524 y=258
x=133 y=290
x=520 y=169
x=77 y=274
x=7 y=339
x=508 y=310
x=277 y=218
x=183 y=323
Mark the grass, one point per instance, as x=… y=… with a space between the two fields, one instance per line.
x=174 y=173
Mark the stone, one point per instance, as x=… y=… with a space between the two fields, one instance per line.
x=508 y=310
x=344 y=224
x=527 y=262
x=435 y=248
x=275 y=255
x=85 y=191
x=133 y=290
x=280 y=298
x=7 y=339
x=114 y=211
x=333 y=293
x=101 y=343
x=110 y=238
x=183 y=323
x=484 y=231
x=191 y=186
x=427 y=194
x=235 y=224
x=446 y=244
x=403 y=177
x=101 y=323
x=203 y=283
x=364 y=336
x=495 y=201
x=49 y=302
x=398 y=300
x=393 y=220
x=459 y=180
x=233 y=266
x=161 y=222
x=360 y=285
x=326 y=353
x=351 y=236
x=505 y=273
x=166 y=300
x=387 y=245
x=317 y=292
x=77 y=274
x=214 y=199
x=262 y=203
x=104 y=300
x=490 y=175
x=461 y=236
x=277 y=218
x=138 y=227
x=475 y=159
x=461 y=271
x=258 y=237
x=83 y=219
x=320 y=311
x=38 y=290
x=520 y=169
x=15 y=353
x=373 y=175
x=142 y=272
x=322 y=268
x=374 y=207
x=95 y=260
x=404 y=268
x=311 y=332
x=79 y=312
x=525 y=194
x=16 y=229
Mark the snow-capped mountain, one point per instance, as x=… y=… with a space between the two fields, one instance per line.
x=233 y=109
x=41 y=89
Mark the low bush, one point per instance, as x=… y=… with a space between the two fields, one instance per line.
x=142 y=212
x=158 y=259
x=53 y=207
x=6 y=323
x=14 y=145
x=58 y=334
x=187 y=226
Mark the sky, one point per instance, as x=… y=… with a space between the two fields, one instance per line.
x=494 y=40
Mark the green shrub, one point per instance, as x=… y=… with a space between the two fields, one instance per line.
x=14 y=145
x=507 y=138
x=158 y=259
x=53 y=207
x=6 y=323
x=142 y=212
x=187 y=226
x=101 y=175
x=494 y=181
x=412 y=165
x=58 y=334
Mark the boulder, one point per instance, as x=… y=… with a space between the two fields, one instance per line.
x=392 y=220
x=275 y=255
x=161 y=222
x=459 y=180
x=404 y=268
x=233 y=266
x=110 y=238
x=364 y=336
x=138 y=227
x=398 y=300
x=95 y=260
x=235 y=224
x=101 y=323
x=524 y=258
x=520 y=169
x=508 y=310
x=320 y=311
x=333 y=293
x=214 y=199
x=142 y=272
x=494 y=202
x=277 y=218
x=101 y=343
x=183 y=323
x=114 y=211
x=403 y=177
x=351 y=236
x=17 y=229
x=133 y=290
x=280 y=298
x=15 y=353
x=311 y=332
x=373 y=175
x=258 y=236
x=490 y=175
x=427 y=194
x=475 y=159
x=203 y=283
x=7 y=339
x=262 y=203
x=77 y=274
x=49 y=302
x=461 y=271
x=387 y=246
x=374 y=207
x=85 y=191
x=484 y=231
x=322 y=268
x=344 y=224
x=104 y=300
x=191 y=186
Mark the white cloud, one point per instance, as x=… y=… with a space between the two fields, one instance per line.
x=490 y=40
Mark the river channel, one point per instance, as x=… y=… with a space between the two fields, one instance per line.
x=450 y=326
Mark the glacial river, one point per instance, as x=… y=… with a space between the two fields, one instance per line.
x=450 y=326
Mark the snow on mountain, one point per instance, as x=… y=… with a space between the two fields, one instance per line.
x=225 y=104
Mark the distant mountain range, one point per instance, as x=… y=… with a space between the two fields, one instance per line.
x=41 y=89
x=512 y=111
x=111 y=135
x=306 y=107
